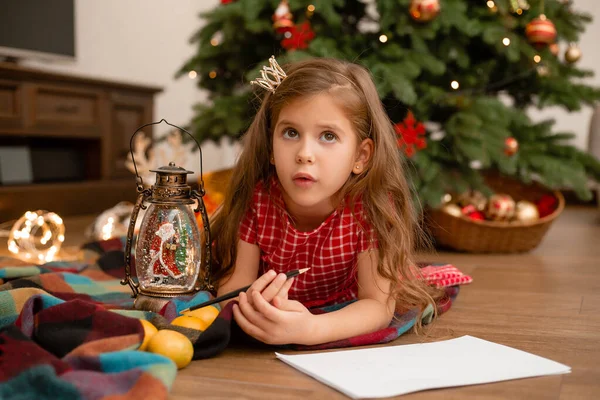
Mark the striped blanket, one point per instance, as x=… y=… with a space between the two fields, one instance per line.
x=69 y=330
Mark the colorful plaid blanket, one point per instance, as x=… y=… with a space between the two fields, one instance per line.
x=69 y=330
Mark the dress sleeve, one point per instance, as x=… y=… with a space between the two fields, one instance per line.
x=367 y=238
x=247 y=231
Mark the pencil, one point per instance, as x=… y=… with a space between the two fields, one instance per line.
x=235 y=293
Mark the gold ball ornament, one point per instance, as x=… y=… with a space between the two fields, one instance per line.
x=540 y=31
x=526 y=211
x=511 y=146
x=452 y=209
x=573 y=54
x=501 y=207
x=424 y=10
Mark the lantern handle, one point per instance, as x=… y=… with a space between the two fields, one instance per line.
x=140 y=186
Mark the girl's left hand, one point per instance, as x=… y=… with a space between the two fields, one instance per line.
x=283 y=322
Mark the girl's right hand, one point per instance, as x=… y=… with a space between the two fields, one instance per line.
x=271 y=285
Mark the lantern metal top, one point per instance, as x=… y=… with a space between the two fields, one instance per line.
x=171 y=186
x=172 y=168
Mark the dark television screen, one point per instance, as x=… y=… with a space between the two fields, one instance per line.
x=37 y=27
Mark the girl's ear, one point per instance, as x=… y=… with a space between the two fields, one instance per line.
x=363 y=155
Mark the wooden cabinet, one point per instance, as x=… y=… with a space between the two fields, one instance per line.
x=77 y=131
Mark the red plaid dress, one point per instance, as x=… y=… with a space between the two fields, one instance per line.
x=330 y=251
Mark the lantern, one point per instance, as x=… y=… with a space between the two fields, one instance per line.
x=170 y=251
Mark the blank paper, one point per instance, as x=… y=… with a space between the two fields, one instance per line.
x=395 y=370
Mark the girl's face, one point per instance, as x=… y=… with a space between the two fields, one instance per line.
x=315 y=150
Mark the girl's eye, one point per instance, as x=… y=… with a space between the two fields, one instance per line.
x=329 y=137
x=290 y=134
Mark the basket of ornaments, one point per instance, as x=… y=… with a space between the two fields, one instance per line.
x=513 y=219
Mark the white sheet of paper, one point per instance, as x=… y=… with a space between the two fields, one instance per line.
x=395 y=370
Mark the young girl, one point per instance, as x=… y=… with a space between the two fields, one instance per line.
x=319 y=184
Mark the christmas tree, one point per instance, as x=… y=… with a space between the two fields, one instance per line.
x=456 y=77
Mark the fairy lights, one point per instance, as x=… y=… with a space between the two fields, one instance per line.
x=37 y=236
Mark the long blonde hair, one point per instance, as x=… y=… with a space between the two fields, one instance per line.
x=385 y=192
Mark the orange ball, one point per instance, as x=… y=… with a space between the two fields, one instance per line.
x=541 y=31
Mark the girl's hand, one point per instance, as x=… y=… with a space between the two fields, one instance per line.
x=283 y=322
x=270 y=285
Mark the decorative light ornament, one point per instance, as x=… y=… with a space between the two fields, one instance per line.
x=212 y=74
x=537 y=58
x=511 y=146
x=192 y=74
x=37 y=236
x=506 y=41
x=169 y=254
x=454 y=85
x=424 y=10
x=383 y=38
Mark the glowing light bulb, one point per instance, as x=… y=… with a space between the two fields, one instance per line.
x=192 y=74
x=454 y=85
x=537 y=58
x=506 y=41
x=491 y=4
x=383 y=38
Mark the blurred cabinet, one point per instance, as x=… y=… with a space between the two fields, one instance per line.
x=76 y=131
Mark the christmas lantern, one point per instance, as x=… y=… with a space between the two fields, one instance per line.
x=540 y=31
x=168 y=252
x=424 y=10
x=573 y=54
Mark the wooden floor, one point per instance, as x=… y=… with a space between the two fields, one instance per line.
x=546 y=302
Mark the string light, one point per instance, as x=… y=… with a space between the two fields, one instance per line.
x=212 y=74
x=311 y=8
x=192 y=74
x=37 y=236
x=506 y=41
x=217 y=38
x=491 y=4
x=454 y=85
x=383 y=38
x=537 y=58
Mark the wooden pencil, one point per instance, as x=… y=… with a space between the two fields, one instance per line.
x=235 y=293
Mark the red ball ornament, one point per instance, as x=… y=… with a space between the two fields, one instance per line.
x=540 y=31
x=424 y=10
x=511 y=146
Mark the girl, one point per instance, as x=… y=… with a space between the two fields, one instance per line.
x=319 y=184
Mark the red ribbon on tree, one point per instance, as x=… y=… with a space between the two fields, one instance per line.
x=299 y=38
x=411 y=135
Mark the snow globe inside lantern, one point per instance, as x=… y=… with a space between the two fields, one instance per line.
x=172 y=257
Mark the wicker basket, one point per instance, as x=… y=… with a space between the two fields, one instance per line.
x=462 y=233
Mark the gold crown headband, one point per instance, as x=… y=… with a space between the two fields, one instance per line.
x=272 y=76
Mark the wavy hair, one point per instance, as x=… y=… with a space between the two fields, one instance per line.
x=385 y=192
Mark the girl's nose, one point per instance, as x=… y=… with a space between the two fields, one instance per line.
x=305 y=155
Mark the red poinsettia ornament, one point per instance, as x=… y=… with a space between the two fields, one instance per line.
x=299 y=37
x=411 y=134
